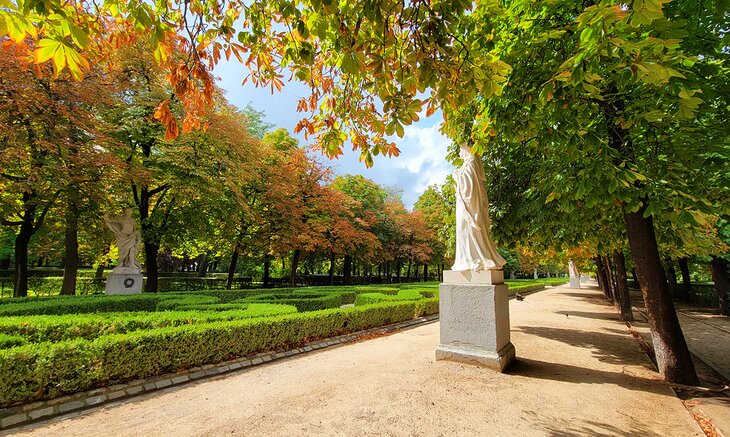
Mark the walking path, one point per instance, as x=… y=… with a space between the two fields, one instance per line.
x=579 y=373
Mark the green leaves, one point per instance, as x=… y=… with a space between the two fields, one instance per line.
x=646 y=11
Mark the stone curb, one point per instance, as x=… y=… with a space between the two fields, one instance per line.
x=27 y=414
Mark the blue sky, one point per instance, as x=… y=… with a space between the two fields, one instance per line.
x=422 y=161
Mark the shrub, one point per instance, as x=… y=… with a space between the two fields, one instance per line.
x=8 y=341
x=47 y=370
x=90 y=326
x=83 y=304
x=370 y=298
x=304 y=301
x=181 y=302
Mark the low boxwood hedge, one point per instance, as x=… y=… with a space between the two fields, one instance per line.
x=38 y=329
x=370 y=298
x=47 y=370
x=304 y=301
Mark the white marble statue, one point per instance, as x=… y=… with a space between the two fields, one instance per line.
x=475 y=249
x=128 y=238
x=573 y=269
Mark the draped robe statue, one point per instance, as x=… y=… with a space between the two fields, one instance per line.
x=475 y=249
x=128 y=238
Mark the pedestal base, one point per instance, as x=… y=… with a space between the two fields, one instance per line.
x=474 y=324
x=574 y=282
x=123 y=283
x=481 y=357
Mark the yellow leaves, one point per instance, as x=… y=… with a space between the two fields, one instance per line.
x=62 y=56
x=17 y=27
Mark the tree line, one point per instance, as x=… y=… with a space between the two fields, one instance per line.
x=73 y=151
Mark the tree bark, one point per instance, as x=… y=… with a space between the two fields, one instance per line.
x=601 y=276
x=408 y=270
x=21 y=260
x=722 y=283
x=150 y=264
x=203 y=266
x=347 y=269
x=425 y=272
x=267 y=269
x=610 y=274
x=686 y=281
x=70 y=268
x=622 y=287
x=673 y=358
x=232 y=267
x=294 y=266
x=671 y=276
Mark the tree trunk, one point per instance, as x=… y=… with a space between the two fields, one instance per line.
x=622 y=287
x=601 y=276
x=332 y=268
x=21 y=260
x=203 y=266
x=671 y=276
x=99 y=273
x=673 y=358
x=150 y=264
x=686 y=281
x=294 y=266
x=347 y=269
x=71 y=266
x=722 y=283
x=610 y=274
x=232 y=267
x=425 y=272
x=408 y=270
x=267 y=269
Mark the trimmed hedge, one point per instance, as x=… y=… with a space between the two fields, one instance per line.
x=304 y=301
x=38 y=329
x=84 y=305
x=371 y=298
x=47 y=370
x=8 y=341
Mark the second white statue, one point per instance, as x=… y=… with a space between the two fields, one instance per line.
x=475 y=249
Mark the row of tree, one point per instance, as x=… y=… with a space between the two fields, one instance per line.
x=73 y=151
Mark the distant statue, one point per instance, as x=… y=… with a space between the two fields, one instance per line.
x=475 y=249
x=128 y=238
x=573 y=269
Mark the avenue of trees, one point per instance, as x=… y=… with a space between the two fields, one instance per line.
x=602 y=125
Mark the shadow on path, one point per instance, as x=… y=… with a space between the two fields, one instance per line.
x=530 y=368
x=606 y=347
x=560 y=427
x=590 y=315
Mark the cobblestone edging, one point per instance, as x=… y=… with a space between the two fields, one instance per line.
x=27 y=414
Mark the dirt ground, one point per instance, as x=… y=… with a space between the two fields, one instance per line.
x=579 y=372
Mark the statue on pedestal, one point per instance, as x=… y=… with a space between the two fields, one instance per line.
x=475 y=249
x=128 y=239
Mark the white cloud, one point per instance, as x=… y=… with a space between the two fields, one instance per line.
x=422 y=160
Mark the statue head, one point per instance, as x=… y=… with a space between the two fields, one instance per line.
x=128 y=212
x=465 y=152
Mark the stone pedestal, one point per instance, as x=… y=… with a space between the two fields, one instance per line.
x=474 y=319
x=124 y=280
x=574 y=282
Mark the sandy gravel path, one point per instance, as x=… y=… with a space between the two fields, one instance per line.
x=579 y=373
